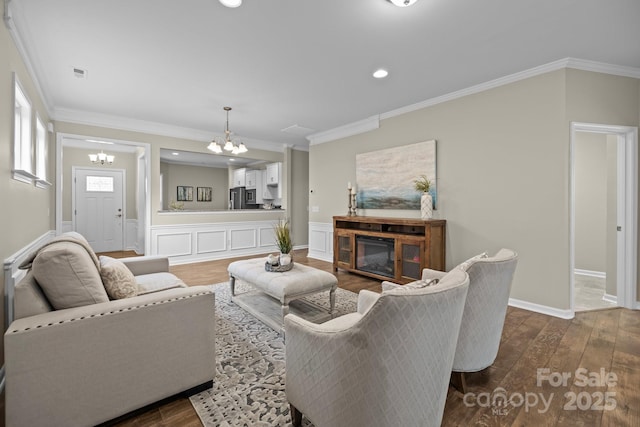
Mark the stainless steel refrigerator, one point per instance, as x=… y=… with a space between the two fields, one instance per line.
x=237 y=198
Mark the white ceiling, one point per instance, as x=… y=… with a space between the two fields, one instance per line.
x=298 y=62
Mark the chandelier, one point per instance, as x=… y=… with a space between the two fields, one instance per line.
x=403 y=3
x=218 y=144
x=102 y=158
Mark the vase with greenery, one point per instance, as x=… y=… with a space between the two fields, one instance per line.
x=423 y=185
x=282 y=233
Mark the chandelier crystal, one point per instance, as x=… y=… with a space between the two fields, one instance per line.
x=227 y=144
x=102 y=158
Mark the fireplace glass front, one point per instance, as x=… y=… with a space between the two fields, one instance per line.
x=375 y=255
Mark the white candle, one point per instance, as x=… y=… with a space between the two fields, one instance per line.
x=349 y=185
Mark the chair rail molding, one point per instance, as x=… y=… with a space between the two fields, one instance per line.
x=187 y=243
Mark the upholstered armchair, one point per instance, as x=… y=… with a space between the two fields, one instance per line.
x=388 y=364
x=484 y=312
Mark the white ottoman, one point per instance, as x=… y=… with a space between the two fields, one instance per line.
x=298 y=282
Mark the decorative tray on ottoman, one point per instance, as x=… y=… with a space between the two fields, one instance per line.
x=278 y=268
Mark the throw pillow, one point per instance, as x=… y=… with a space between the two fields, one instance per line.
x=118 y=280
x=68 y=276
x=418 y=284
x=468 y=263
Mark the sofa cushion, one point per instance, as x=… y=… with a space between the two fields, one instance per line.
x=28 y=298
x=156 y=282
x=118 y=280
x=68 y=276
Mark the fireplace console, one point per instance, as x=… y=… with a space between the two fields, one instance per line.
x=395 y=249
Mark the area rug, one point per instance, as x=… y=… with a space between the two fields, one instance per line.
x=248 y=389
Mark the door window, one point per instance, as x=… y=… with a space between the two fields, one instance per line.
x=102 y=184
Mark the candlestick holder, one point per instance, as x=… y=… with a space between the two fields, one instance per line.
x=349 y=212
x=353 y=205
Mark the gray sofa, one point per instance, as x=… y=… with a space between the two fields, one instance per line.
x=74 y=356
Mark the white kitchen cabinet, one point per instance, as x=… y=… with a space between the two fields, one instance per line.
x=266 y=191
x=251 y=180
x=273 y=174
x=239 y=177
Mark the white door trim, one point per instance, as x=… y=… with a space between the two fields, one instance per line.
x=60 y=137
x=627 y=209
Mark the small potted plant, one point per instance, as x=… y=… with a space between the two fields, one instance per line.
x=423 y=185
x=282 y=233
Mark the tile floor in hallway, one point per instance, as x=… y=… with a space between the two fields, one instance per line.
x=588 y=293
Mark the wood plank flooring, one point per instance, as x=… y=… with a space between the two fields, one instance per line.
x=606 y=339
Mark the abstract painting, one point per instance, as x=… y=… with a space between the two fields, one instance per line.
x=385 y=177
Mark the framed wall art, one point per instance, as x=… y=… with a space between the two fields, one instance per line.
x=185 y=194
x=204 y=194
x=385 y=178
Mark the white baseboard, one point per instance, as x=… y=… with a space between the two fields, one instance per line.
x=67 y=226
x=543 y=309
x=321 y=256
x=598 y=274
x=610 y=298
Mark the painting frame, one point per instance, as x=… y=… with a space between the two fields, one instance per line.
x=385 y=178
x=204 y=194
x=184 y=193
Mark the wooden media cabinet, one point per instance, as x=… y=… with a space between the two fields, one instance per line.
x=395 y=249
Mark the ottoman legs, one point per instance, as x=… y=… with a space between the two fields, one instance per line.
x=232 y=283
x=332 y=300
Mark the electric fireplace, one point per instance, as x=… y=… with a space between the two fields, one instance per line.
x=375 y=255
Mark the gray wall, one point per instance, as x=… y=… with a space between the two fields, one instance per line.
x=299 y=200
x=27 y=211
x=591 y=201
x=196 y=176
x=502 y=169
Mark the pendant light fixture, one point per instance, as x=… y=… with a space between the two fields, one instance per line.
x=227 y=144
x=102 y=158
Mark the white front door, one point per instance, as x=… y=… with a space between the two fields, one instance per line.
x=98 y=206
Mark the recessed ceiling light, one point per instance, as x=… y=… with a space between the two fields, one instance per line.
x=232 y=160
x=234 y=3
x=403 y=3
x=175 y=154
x=380 y=73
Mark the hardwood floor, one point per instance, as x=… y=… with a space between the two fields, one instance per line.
x=607 y=340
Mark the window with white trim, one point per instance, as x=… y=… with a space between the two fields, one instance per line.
x=41 y=153
x=22 y=147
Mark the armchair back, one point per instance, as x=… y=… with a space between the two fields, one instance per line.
x=485 y=310
x=391 y=366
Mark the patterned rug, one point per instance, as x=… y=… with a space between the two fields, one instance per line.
x=248 y=389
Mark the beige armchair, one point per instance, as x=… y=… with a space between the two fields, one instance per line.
x=485 y=309
x=388 y=364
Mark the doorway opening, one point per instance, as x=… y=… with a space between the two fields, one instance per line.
x=603 y=216
x=133 y=158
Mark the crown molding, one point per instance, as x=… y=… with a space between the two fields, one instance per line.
x=14 y=32
x=350 y=129
x=601 y=67
x=153 y=128
x=574 y=63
